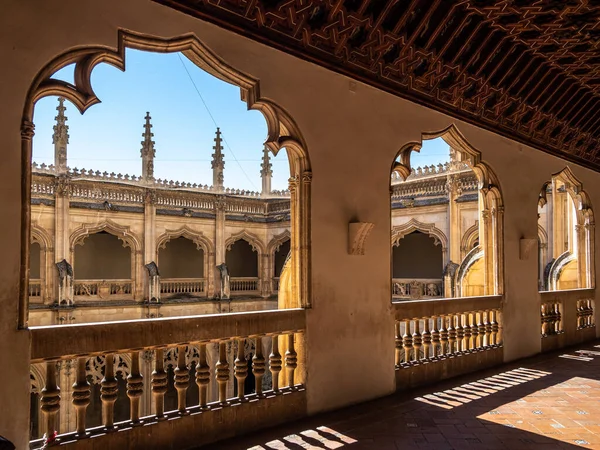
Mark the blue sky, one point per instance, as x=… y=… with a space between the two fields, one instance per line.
x=108 y=136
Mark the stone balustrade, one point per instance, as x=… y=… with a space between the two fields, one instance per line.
x=408 y=288
x=35 y=289
x=102 y=289
x=567 y=318
x=173 y=287
x=437 y=339
x=217 y=343
x=243 y=284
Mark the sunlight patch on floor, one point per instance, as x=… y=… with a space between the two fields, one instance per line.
x=321 y=438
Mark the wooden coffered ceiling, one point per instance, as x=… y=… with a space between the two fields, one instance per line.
x=527 y=69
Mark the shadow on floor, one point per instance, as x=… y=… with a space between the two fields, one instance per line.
x=551 y=401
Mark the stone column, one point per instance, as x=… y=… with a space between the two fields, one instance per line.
x=150 y=251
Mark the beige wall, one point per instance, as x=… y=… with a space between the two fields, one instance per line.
x=353 y=135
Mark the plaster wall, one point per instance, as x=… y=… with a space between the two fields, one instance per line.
x=353 y=133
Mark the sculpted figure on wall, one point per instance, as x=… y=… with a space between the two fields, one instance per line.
x=65 y=282
x=224 y=281
x=154 y=282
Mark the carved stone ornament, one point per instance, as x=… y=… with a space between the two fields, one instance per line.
x=357 y=236
x=152 y=269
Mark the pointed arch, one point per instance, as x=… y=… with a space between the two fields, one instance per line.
x=475 y=255
x=197 y=237
x=42 y=237
x=469 y=238
x=277 y=241
x=283 y=133
x=250 y=238
x=491 y=205
x=399 y=231
x=122 y=232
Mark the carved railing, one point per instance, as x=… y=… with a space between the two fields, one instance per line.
x=106 y=192
x=567 y=317
x=43 y=186
x=438 y=331
x=173 y=287
x=245 y=206
x=35 y=289
x=420 y=288
x=243 y=284
x=278 y=207
x=102 y=289
x=196 y=348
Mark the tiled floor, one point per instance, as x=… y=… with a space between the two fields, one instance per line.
x=547 y=402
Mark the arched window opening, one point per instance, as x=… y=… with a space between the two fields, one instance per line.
x=242 y=262
x=442 y=190
x=279 y=258
x=565 y=234
x=149 y=197
x=35 y=272
x=182 y=269
x=417 y=267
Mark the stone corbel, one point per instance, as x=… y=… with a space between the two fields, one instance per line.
x=357 y=236
x=527 y=247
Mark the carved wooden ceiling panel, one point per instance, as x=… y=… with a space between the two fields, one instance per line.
x=527 y=69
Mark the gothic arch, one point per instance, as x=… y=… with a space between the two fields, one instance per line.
x=542 y=236
x=197 y=237
x=250 y=238
x=469 y=238
x=398 y=232
x=277 y=241
x=463 y=269
x=283 y=133
x=491 y=206
x=41 y=236
x=121 y=231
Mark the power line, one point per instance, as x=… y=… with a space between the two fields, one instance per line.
x=213 y=119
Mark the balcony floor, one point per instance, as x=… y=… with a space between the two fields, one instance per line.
x=551 y=401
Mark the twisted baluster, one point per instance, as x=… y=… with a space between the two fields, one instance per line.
x=417 y=340
x=222 y=373
x=258 y=367
x=50 y=403
x=109 y=392
x=275 y=363
x=467 y=331
x=398 y=344
x=426 y=336
x=443 y=335
x=435 y=337
x=135 y=389
x=241 y=369
x=159 y=384
x=182 y=380
x=488 y=327
x=460 y=334
x=481 y=328
x=202 y=377
x=474 y=331
x=291 y=360
x=451 y=334
x=558 y=323
x=494 y=323
x=407 y=341
x=81 y=396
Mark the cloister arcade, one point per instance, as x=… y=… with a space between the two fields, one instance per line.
x=115 y=309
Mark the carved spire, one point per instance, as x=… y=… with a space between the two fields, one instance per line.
x=60 y=138
x=266 y=173
x=148 y=152
x=218 y=162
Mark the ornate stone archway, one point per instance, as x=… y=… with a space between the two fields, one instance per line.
x=283 y=133
x=400 y=231
x=41 y=237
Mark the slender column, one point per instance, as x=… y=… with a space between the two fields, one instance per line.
x=50 y=403
x=222 y=373
x=417 y=341
x=182 y=380
x=291 y=360
x=258 y=367
x=241 y=370
x=135 y=389
x=81 y=396
x=407 y=342
x=159 y=384
x=275 y=363
x=398 y=343
x=435 y=336
x=108 y=392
